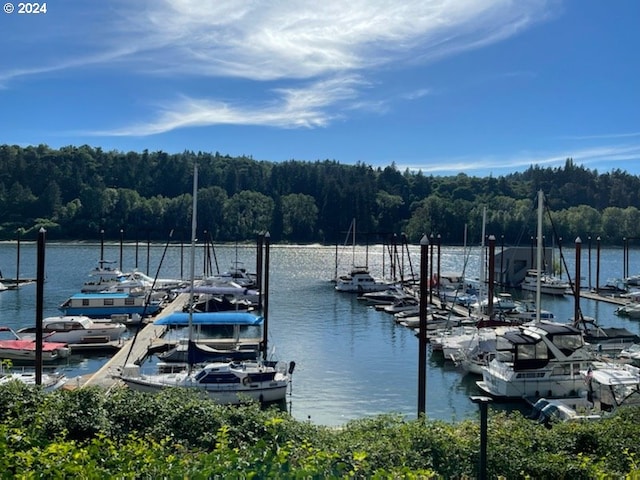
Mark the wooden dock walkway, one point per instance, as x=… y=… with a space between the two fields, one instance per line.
x=603 y=298
x=129 y=353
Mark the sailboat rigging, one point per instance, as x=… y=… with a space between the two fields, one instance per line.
x=359 y=279
x=226 y=382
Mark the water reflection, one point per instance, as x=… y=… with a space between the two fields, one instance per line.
x=351 y=360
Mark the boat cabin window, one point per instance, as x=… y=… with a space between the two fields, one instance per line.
x=531 y=356
x=503 y=344
x=129 y=301
x=85 y=302
x=531 y=351
x=505 y=357
x=216 y=377
x=566 y=370
x=108 y=301
x=568 y=343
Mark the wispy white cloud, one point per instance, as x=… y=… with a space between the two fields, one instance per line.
x=416 y=94
x=295 y=107
x=70 y=63
x=271 y=41
x=600 y=158
x=603 y=136
x=264 y=40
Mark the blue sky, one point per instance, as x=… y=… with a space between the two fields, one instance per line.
x=446 y=86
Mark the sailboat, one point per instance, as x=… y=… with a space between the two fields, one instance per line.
x=359 y=279
x=225 y=382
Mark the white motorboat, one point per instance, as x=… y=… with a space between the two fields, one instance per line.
x=76 y=329
x=17 y=349
x=157 y=283
x=237 y=274
x=503 y=302
x=104 y=276
x=527 y=312
x=360 y=280
x=630 y=310
x=387 y=296
x=48 y=381
x=404 y=304
x=543 y=359
x=607 y=387
x=539 y=359
x=549 y=284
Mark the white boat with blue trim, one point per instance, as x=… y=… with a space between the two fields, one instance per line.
x=225 y=382
x=105 y=304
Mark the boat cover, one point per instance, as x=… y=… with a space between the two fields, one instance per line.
x=211 y=318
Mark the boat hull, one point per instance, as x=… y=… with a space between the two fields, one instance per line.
x=29 y=356
x=104 y=312
x=229 y=383
x=48 y=382
x=534 y=384
x=227 y=394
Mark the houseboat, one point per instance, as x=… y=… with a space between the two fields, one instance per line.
x=105 y=304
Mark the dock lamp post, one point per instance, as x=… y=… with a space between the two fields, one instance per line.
x=439 y=239
x=20 y=231
x=121 y=241
x=576 y=301
x=626 y=259
x=598 y=264
x=101 y=245
x=482 y=463
x=422 y=342
x=501 y=281
x=431 y=244
x=589 y=240
x=40 y=303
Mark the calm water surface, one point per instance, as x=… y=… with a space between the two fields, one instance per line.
x=351 y=360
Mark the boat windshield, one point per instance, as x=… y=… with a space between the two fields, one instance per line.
x=568 y=343
x=535 y=351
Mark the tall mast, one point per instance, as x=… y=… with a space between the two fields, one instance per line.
x=192 y=269
x=482 y=272
x=539 y=256
x=353 y=250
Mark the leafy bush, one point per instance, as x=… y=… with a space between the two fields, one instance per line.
x=177 y=434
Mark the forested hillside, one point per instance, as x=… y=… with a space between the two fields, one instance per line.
x=75 y=192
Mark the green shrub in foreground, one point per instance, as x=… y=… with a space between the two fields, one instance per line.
x=86 y=433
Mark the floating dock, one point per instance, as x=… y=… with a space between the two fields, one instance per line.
x=14 y=284
x=132 y=350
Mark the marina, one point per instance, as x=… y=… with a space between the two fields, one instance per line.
x=336 y=341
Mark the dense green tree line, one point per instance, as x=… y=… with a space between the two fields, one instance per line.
x=85 y=433
x=75 y=192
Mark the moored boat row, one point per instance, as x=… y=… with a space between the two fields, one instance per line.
x=225 y=375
